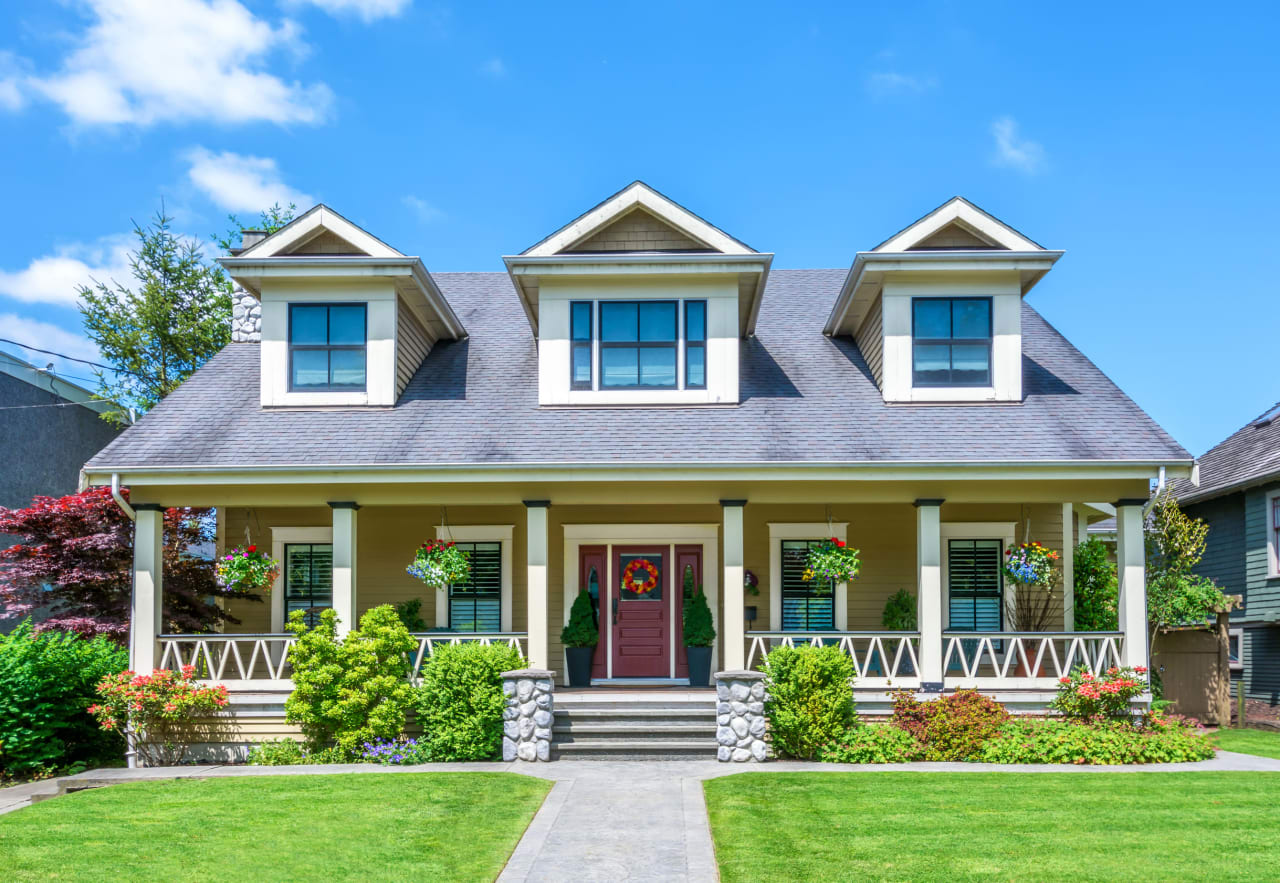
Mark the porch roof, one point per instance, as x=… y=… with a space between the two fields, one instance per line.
x=806 y=398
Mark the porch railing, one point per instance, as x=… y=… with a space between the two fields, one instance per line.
x=1025 y=659
x=428 y=642
x=880 y=659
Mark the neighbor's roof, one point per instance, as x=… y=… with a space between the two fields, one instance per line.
x=804 y=398
x=1248 y=457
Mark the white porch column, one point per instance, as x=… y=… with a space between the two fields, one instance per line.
x=1068 y=568
x=536 y=550
x=735 y=627
x=148 y=586
x=929 y=591
x=344 y=565
x=1131 y=567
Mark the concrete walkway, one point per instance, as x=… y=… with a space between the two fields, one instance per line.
x=640 y=820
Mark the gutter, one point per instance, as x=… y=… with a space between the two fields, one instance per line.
x=124 y=504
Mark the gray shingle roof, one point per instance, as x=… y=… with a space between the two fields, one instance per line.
x=1246 y=457
x=805 y=398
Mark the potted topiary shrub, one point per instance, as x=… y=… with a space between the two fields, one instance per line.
x=699 y=635
x=579 y=638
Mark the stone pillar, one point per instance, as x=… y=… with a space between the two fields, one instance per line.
x=344 y=565
x=529 y=713
x=929 y=592
x=536 y=552
x=145 y=621
x=1131 y=567
x=735 y=626
x=246 y=317
x=740 y=720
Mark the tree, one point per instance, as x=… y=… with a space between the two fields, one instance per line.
x=76 y=557
x=1176 y=595
x=269 y=221
x=158 y=333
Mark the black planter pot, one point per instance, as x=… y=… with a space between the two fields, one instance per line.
x=579 y=665
x=699 y=666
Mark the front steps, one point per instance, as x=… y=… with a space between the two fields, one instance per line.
x=634 y=725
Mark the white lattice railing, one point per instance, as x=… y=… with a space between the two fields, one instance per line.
x=1025 y=659
x=880 y=659
x=262 y=661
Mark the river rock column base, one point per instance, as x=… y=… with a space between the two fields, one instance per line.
x=740 y=720
x=527 y=717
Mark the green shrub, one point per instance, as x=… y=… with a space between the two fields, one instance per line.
x=47 y=681
x=810 y=698
x=356 y=690
x=460 y=700
x=698 y=630
x=1097 y=591
x=1057 y=741
x=581 y=629
x=952 y=727
x=276 y=752
x=900 y=612
x=410 y=613
x=874 y=743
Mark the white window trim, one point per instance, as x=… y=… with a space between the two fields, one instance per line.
x=280 y=537
x=1238 y=634
x=975 y=530
x=812 y=530
x=479 y=533
x=681 y=343
x=1273 y=554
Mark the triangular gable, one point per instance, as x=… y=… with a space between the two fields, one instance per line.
x=674 y=221
x=638 y=230
x=958 y=224
x=320 y=231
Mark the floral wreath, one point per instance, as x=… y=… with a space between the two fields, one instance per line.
x=630 y=583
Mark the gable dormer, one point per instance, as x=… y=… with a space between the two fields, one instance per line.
x=936 y=309
x=639 y=301
x=346 y=319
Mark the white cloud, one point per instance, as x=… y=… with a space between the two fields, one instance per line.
x=1014 y=151
x=494 y=67
x=423 y=209
x=888 y=83
x=48 y=336
x=366 y=10
x=53 y=279
x=142 y=62
x=11 y=77
x=241 y=183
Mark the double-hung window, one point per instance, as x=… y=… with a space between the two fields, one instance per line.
x=475 y=605
x=644 y=345
x=951 y=341
x=327 y=347
x=806 y=605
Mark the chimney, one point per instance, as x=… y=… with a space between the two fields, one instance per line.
x=250 y=238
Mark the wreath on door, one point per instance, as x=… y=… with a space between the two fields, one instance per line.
x=640 y=576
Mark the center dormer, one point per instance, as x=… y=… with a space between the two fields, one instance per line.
x=639 y=302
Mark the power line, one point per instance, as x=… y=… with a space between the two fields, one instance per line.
x=68 y=358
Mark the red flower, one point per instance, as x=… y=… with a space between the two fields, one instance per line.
x=253 y=548
x=840 y=544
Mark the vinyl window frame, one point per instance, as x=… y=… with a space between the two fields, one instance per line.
x=1273 y=534
x=598 y=345
x=953 y=341
x=328 y=347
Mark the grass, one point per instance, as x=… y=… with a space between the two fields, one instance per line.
x=1264 y=743
x=377 y=826
x=994 y=826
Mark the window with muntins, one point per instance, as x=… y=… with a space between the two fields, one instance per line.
x=308 y=579
x=643 y=345
x=975 y=585
x=327 y=347
x=476 y=604
x=951 y=341
x=806 y=606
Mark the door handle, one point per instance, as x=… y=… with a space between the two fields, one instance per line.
x=615 y=610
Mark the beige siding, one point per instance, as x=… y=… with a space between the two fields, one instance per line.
x=637 y=231
x=870 y=340
x=327 y=243
x=953 y=236
x=412 y=345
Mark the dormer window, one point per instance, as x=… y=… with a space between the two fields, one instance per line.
x=951 y=341
x=630 y=345
x=327 y=347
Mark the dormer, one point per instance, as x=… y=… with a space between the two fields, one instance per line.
x=346 y=319
x=936 y=309
x=639 y=302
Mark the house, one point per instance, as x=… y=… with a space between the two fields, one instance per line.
x=49 y=427
x=1239 y=498
x=642 y=386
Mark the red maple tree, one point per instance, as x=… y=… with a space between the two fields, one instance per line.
x=75 y=559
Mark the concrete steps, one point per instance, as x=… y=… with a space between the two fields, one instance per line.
x=638 y=726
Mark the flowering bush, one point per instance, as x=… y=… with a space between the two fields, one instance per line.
x=247 y=570
x=874 y=743
x=1083 y=696
x=952 y=727
x=750 y=583
x=394 y=752
x=1057 y=741
x=831 y=562
x=440 y=563
x=1030 y=564
x=149 y=709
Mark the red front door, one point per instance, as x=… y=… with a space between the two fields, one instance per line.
x=641 y=612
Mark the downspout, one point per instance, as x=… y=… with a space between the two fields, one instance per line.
x=1146 y=510
x=133 y=516
x=131 y=754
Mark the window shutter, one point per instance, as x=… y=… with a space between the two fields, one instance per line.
x=803 y=608
x=476 y=605
x=975 y=585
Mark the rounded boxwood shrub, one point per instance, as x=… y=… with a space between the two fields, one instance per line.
x=460 y=701
x=810 y=698
x=874 y=743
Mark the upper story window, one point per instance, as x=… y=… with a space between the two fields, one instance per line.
x=646 y=344
x=327 y=347
x=951 y=341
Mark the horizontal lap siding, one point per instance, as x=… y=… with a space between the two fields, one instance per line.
x=1262 y=643
x=255 y=618
x=870 y=340
x=412 y=346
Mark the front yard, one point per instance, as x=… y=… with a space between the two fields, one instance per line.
x=360 y=826
x=1264 y=743
x=1005 y=826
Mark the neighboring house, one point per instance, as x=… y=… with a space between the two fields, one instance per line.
x=641 y=386
x=48 y=428
x=1239 y=498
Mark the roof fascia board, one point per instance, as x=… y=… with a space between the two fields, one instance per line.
x=305 y=226
x=958 y=209
x=558 y=265
x=20 y=369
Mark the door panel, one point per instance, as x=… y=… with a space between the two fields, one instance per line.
x=592 y=577
x=641 y=615
x=688 y=580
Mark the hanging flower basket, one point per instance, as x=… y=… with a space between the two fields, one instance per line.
x=1030 y=564
x=246 y=570
x=439 y=563
x=831 y=562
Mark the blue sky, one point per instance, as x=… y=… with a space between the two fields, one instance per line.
x=1141 y=139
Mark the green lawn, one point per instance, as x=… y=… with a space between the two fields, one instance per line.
x=376 y=826
x=995 y=826
x=1264 y=743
